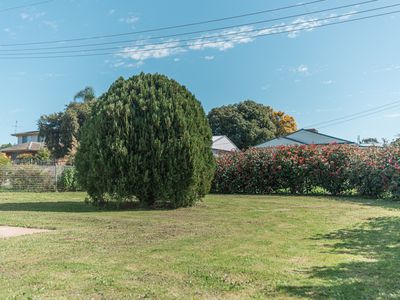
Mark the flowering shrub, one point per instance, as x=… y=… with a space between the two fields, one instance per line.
x=376 y=171
x=299 y=169
x=334 y=168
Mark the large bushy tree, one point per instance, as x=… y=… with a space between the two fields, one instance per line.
x=62 y=130
x=246 y=123
x=148 y=139
x=249 y=123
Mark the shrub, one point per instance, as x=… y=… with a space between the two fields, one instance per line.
x=68 y=181
x=301 y=169
x=334 y=167
x=376 y=171
x=295 y=167
x=4 y=160
x=26 y=158
x=148 y=139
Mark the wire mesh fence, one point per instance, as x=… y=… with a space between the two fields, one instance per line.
x=40 y=177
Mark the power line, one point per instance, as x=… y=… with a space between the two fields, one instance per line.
x=206 y=43
x=199 y=38
x=208 y=30
x=25 y=5
x=359 y=117
x=173 y=27
x=355 y=114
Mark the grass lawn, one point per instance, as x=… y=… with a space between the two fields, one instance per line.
x=226 y=247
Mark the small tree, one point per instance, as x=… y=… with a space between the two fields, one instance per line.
x=147 y=138
x=62 y=130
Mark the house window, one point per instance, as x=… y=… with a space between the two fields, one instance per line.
x=24 y=139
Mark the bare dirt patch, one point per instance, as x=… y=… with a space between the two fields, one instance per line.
x=7 y=231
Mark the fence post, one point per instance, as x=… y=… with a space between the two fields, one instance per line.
x=56 y=177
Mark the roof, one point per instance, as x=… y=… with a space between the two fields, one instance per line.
x=25 y=147
x=223 y=143
x=304 y=137
x=27 y=133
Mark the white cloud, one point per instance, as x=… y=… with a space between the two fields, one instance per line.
x=176 y=59
x=111 y=11
x=328 y=82
x=31 y=16
x=230 y=39
x=302 y=24
x=129 y=20
x=52 y=24
x=301 y=69
x=151 y=51
x=9 y=31
x=209 y=57
x=222 y=40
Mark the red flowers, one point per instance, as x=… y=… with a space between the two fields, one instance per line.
x=299 y=169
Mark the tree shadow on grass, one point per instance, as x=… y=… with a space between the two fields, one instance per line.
x=61 y=206
x=66 y=206
x=384 y=203
x=374 y=276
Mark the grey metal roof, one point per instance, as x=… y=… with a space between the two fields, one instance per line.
x=304 y=137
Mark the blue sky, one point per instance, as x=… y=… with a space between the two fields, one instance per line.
x=316 y=74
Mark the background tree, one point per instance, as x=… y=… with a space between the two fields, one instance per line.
x=396 y=142
x=3 y=146
x=87 y=94
x=50 y=129
x=62 y=130
x=147 y=138
x=284 y=123
x=370 y=141
x=248 y=123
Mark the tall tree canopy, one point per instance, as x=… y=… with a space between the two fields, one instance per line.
x=62 y=130
x=249 y=123
x=147 y=138
x=284 y=123
x=87 y=94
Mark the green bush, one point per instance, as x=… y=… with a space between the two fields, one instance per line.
x=147 y=139
x=68 y=181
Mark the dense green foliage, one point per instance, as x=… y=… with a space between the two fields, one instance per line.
x=300 y=169
x=147 y=139
x=62 y=130
x=246 y=124
x=68 y=182
x=42 y=156
x=249 y=123
x=3 y=146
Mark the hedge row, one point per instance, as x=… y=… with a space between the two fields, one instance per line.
x=338 y=169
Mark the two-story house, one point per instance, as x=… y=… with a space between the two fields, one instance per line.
x=27 y=143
